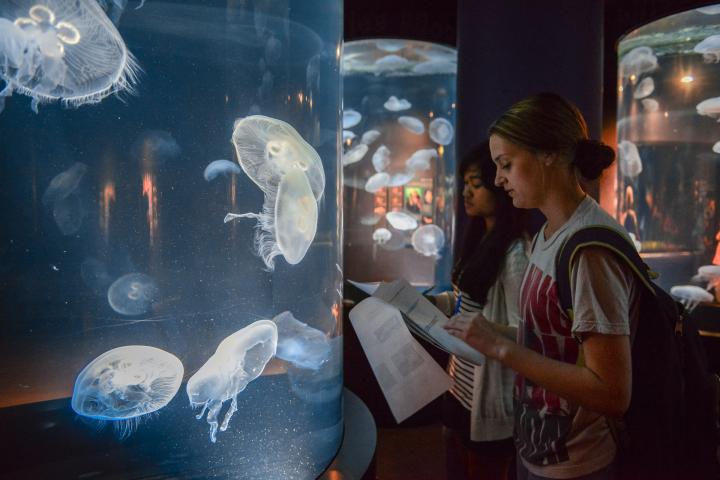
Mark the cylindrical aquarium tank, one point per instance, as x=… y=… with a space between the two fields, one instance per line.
x=398 y=160
x=669 y=147
x=170 y=256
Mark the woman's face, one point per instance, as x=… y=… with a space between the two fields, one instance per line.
x=479 y=201
x=519 y=172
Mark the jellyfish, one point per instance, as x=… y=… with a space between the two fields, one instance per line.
x=322 y=386
x=370 y=219
x=69 y=213
x=354 y=155
x=390 y=62
x=377 y=182
x=288 y=222
x=300 y=344
x=63 y=184
x=710 y=108
x=350 y=118
x=401 y=178
x=629 y=159
x=154 y=148
x=239 y=359
x=636 y=62
x=220 y=167
x=709 y=48
x=390 y=46
x=348 y=135
x=395 y=105
x=710 y=274
x=114 y=9
x=401 y=220
x=381 y=158
x=690 y=295
x=413 y=124
x=709 y=10
x=381 y=236
x=428 y=240
x=63 y=50
x=369 y=137
x=441 y=131
x=125 y=383
x=267 y=148
x=132 y=294
x=650 y=105
x=434 y=67
x=420 y=160
x=644 y=88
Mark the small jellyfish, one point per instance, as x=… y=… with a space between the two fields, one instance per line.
x=415 y=125
x=370 y=220
x=267 y=148
x=428 y=240
x=69 y=213
x=377 y=182
x=650 y=105
x=401 y=220
x=348 y=136
x=125 y=383
x=288 y=222
x=710 y=274
x=395 y=105
x=390 y=62
x=381 y=236
x=390 y=46
x=132 y=294
x=401 y=178
x=63 y=50
x=629 y=159
x=350 y=118
x=710 y=108
x=709 y=48
x=220 y=167
x=369 y=137
x=63 y=184
x=690 y=295
x=709 y=10
x=381 y=158
x=299 y=343
x=636 y=62
x=716 y=147
x=239 y=359
x=420 y=160
x=435 y=67
x=441 y=131
x=644 y=88
x=354 y=155
x=154 y=148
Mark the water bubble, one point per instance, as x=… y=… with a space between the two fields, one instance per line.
x=132 y=294
x=428 y=240
x=401 y=220
x=220 y=167
x=395 y=105
x=441 y=131
x=415 y=125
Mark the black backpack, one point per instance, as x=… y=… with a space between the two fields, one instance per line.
x=670 y=430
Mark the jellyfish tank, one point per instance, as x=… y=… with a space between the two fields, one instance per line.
x=669 y=147
x=398 y=160
x=170 y=265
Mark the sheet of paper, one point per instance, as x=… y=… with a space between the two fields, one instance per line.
x=367 y=287
x=408 y=376
x=418 y=309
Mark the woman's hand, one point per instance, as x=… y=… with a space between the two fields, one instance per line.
x=478 y=332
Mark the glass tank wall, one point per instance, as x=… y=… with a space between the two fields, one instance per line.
x=669 y=147
x=398 y=160
x=170 y=257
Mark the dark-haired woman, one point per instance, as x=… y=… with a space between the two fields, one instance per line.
x=572 y=371
x=478 y=411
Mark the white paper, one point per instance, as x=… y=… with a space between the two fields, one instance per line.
x=426 y=318
x=367 y=287
x=408 y=376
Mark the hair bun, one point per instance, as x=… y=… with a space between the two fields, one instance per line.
x=592 y=157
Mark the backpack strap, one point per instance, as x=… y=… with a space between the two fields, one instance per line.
x=597 y=236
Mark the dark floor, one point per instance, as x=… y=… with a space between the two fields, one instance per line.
x=415 y=453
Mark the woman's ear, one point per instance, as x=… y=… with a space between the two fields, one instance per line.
x=546 y=158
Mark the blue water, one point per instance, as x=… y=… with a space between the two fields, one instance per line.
x=143 y=206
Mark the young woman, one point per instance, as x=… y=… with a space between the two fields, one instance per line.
x=572 y=373
x=486 y=278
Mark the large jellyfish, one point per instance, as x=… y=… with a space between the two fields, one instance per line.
x=395 y=105
x=132 y=294
x=377 y=182
x=401 y=220
x=288 y=222
x=710 y=108
x=636 y=62
x=420 y=160
x=299 y=343
x=645 y=88
x=350 y=118
x=709 y=48
x=125 y=383
x=62 y=50
x=690 y=295
x=381 y=158
x=354 y=155
x=415 y=125
x=428 y=240
x=441 y=131
x=220 y=167
x=629 y=159
x=239 y=359
x=63 y=184
x=369 y=137
x=267 y=148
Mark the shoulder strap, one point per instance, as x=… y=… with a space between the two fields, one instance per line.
x=596 y=236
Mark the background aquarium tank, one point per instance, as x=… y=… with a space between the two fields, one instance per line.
x=398 y=160
x=170 y=257
x=669 y=148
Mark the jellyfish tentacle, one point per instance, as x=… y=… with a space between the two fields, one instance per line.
x=212 y=416
x=202 y=412
x=228 y=415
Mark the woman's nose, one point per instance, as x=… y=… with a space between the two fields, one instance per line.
x=498 y=178
x=466 y=191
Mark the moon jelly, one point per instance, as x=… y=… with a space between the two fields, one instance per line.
x=299 y=343
x=63 y=184
x=350 y=118
x=441 y=131
x=395 y=105
x=239 y=359
x=636 y=62
x=428 y=240
x=369 y=137
x=132 y=294
x=690 y=295
x=709 y=48
x=354 y=155
x=644 y=88
x=401 y=220
x=420 y=160
x=62 y=50
x=413 y=124
x=710 y=108
x=377 y=182
x=629 y=159
x=381 y=236
x=220 y=167
x=381 y=158
x=125 y=383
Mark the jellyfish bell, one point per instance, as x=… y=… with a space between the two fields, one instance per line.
x=636 y=62
x=394 y=104
x=125 y=383
x=350 y=118
x=132 y=294
x=709 y=48
x=420 y=160
x=390 y=46
x=354 y=155
x=64 y=183
x=377 y=182
x=645 y=88
x=381 y=158
x=62 y=50
x=710 y=108
x=629 y=159
x=401 y=220
x=348 y=136
x=220 y=167
x=369 y=137
x=238 y=360
x=690 y=295
x=414 y=125
x=300 y=344
x=389 y=63
x=441 y=131
x=428 y=240
x=381 y=236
